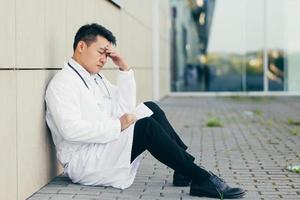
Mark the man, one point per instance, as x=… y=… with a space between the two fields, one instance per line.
x=98 y=138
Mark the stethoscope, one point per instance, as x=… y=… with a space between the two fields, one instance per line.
x=109 y=96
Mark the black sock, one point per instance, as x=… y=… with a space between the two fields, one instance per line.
x=199 y=174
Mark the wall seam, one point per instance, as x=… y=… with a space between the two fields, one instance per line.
x=16 y=102
x=155 y=49
x=137 y=20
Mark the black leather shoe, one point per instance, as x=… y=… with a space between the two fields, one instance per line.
x=215 y=187
x=180 y=180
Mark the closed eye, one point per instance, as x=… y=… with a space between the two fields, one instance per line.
x=102 y=53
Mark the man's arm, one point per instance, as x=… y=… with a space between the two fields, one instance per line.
x=126 y=85
x=117 y=58
x=63 y=103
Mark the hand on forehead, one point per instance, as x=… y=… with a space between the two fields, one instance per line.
x=108 y=46
x=105 y=48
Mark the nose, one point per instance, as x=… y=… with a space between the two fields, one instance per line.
x=103 y=59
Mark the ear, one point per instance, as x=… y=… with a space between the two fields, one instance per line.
x=81 y=46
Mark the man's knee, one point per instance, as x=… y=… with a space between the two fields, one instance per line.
x=154 y=107
x=150 y=104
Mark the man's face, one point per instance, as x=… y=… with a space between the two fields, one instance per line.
x=94 y=57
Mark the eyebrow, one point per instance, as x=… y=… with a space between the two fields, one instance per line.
x=101 y=50
x=105 y=46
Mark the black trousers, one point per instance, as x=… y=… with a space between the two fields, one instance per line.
x=156 y=135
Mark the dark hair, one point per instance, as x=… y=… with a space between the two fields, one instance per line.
x=89 y=32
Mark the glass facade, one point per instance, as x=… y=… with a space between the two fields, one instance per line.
x=235 y=45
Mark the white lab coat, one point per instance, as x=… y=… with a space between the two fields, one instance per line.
x=86 y=129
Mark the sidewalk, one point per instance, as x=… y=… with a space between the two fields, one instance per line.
x=251 y=150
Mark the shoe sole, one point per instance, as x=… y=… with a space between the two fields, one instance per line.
x=235 y=196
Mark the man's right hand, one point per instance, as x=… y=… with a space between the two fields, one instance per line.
x=126 y=120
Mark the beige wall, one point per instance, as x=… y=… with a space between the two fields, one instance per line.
x=36 y=37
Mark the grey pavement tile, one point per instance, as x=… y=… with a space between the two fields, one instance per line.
x=62 y=196
x=40 y=197
x=88 y=197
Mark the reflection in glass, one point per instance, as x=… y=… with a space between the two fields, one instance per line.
x=275 y=43
x=235 y=45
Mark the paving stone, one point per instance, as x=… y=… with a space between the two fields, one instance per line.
x=62 y=196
